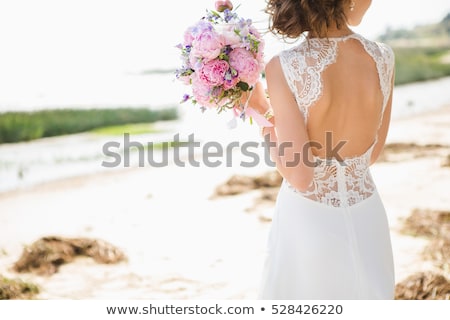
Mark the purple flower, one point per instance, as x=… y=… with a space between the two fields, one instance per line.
x=186 y=97
x=229 y=15
x=242 y=115
x=231 y=79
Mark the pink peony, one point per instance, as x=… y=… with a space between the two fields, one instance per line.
x=202 y=92
x=193 y=31
x=213 y=72
x=260 y=54
x=246 y=65
x=188 y=36
x=230 y=38
x=207 y=44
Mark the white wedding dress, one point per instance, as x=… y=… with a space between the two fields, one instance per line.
x=331 y=242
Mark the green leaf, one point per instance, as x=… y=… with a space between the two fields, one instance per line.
x=215 y=13
x=224 y=56
x=243 y=86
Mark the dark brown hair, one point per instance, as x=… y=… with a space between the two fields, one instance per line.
x=290 y=18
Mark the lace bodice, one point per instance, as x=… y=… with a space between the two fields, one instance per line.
x=338 y=184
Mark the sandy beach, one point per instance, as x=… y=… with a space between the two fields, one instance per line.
x=183 y=243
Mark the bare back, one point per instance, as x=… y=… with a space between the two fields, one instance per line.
x=342 y=87
x=351 y=102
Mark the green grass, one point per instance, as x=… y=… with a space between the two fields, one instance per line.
x=132 y=129
x=420 y=64
x=24 y=126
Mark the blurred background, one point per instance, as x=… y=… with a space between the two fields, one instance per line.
x=75 y=75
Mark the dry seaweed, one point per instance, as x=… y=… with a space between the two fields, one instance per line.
x=392 y=151
x=269 y=195
x=238 y=184
x=45 y=256
x=423 y=286
x=435 y=226
x=427 y=223
x=439 y=252
x=16 y=289
x=406 y=147
x=446 y=162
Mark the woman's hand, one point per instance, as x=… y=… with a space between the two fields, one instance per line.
x=258 y=98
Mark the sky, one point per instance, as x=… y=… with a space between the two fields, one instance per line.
x=51 y=35
x=61 y=49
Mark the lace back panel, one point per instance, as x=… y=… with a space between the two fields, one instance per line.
x=338 y=184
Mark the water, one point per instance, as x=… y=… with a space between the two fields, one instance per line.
x=420 y=97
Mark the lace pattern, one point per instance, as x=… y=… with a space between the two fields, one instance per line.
x=335 y=184
x=303 y=66
x=340 y=184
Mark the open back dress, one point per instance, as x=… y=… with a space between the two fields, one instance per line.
x=331 y=241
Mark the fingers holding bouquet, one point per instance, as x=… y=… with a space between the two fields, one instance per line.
x=257 y=98
x=255 y=104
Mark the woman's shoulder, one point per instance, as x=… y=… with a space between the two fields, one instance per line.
x=273 y=62
x=383 y=49
x=283 y=56
x=291 y=61
x=387 y=51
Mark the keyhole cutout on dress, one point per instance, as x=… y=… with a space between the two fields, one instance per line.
x=350 y=100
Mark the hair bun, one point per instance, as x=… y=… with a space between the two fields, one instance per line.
x=291 y=18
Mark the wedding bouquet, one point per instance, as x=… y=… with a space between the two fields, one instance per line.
x=222 y=58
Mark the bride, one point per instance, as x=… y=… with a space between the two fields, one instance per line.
x=330 y=103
